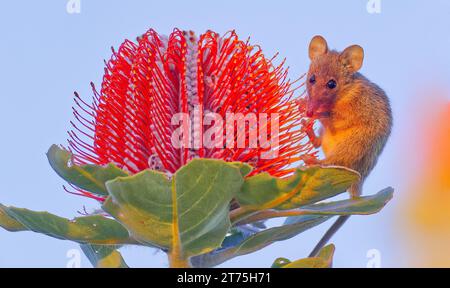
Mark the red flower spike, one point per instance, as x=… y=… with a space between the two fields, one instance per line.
x=129 y=122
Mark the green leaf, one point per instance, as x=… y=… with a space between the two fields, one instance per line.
x=259 y=240
x=308 y=185
x=104 y=256
x=235 y=237
x=264 y=191
x=244 y=168
x=323 y=260
x=327 y=254
x=271 y=235
x=91 y=178
x=188 y=214
x=143 y=204
x=360 y=206
x=9 y=223
x=90 y=229
x=312 y=262
x=319 y=183
x=280 y=262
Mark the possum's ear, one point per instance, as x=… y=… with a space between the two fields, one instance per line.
x=317 y=47
x=352 y=57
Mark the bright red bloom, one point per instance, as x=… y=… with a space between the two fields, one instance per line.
x=146 y=83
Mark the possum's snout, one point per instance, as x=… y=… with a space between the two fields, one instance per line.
x=318 y=109
x=311 y=106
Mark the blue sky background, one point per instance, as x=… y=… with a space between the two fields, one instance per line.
x=47 y=53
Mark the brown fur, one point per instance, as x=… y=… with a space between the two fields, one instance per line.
x=356 y=115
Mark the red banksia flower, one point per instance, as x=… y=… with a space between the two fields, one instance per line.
x=130 y=122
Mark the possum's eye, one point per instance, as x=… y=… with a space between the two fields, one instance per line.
x=312 y=79
x=331 y=84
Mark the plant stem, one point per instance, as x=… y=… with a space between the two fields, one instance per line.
x=176 y=261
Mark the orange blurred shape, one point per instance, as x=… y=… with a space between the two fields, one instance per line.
x=428 y=203
x=440 y=149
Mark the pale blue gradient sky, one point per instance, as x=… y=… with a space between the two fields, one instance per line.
x=47 y=53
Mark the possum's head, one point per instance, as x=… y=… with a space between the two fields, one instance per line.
x=329 y=74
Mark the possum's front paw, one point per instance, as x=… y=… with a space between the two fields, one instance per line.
x=309 y=160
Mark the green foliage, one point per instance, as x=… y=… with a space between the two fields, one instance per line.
x=90 y=229
x=9 y=223
x=104 y=256
x=306 y=186
x=311 y=216
x=91 y=178
x=361 y=206
x=258 y=241
x=323 y=260
x=187 y=214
